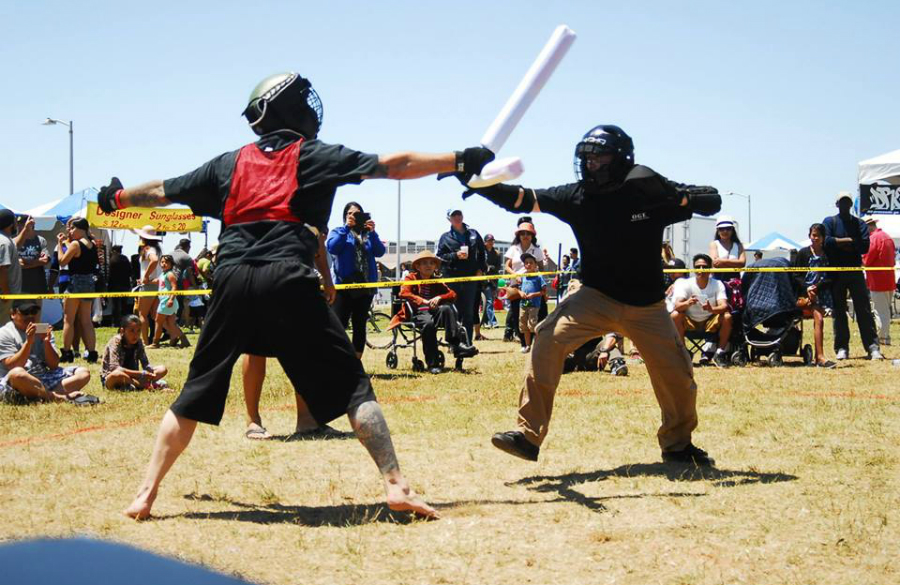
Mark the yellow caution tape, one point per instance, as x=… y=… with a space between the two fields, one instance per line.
x=393 y=283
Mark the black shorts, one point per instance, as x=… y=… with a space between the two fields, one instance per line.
x=273 y=310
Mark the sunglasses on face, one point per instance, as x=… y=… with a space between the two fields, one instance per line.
x=701 y=266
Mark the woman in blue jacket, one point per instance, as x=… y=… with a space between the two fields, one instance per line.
x=353 y=248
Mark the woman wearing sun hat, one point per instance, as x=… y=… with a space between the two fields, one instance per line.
x=726 y=249
x=525 y=242
x=150 y=253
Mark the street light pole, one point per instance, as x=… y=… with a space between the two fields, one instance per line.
x=749 y=216
x=71 y=126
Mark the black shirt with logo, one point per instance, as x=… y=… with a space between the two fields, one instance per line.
x=618 y=235
x=321 y=169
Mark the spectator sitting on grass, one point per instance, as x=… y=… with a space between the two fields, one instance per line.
x=29 y=363
x=125 y=365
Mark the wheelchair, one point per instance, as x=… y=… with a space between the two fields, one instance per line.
x=407 y=336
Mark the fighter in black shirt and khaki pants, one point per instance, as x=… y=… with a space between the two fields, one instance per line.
x=269 y=195
x=618 y=212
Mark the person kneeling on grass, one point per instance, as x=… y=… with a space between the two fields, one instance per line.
x=29 y=363
x=125 y=365
x=534 y=288
x=433 y=306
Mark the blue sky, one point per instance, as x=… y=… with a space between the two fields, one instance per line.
x=773 y=99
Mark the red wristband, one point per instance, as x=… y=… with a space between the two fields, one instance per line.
x=118 y=201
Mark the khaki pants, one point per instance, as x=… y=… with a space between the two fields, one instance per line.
x=881 y=303
x=584 y=315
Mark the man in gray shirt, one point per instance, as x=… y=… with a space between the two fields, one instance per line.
x=10 y=271
x=29 y=362
x=33 y=257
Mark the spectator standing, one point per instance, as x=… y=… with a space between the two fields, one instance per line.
x=534 y=289
x=120 y=281
x=168 y=306
x=525 y=242
x=494 y=265
x=576 y=262
x=726 y=249
x=10 y=269
x=81 y=258
x=814 y=289
x=846 y=240
x=150 y=252
x=354 y=247
x=186 y=273
x=462 y=253
x=757 y=256
x=880 y=282
x=33 y=258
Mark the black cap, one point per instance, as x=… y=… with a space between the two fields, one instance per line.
x=26 y=305
x=7 y=218
x=81 y=223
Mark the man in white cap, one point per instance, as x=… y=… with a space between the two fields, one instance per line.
x=846 y=240
x=880 y=282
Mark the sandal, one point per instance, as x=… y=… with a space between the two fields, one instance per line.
x=257 y=432
x=84 y=400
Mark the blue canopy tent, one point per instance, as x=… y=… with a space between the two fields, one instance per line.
x=46 y=215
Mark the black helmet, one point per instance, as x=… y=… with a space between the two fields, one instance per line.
x=605 y=139
x=284 y=101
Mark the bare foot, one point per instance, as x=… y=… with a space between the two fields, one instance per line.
x=402 y=498
x=140 y=507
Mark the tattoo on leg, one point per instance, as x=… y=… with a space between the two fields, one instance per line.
x=372 y=431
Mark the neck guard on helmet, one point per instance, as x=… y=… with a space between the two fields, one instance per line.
x=284 y=101
x=604 y=139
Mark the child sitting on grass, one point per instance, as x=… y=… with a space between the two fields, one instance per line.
x=534 y=288
x=125 y=365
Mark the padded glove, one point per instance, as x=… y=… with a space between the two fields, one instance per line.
x=107 y=197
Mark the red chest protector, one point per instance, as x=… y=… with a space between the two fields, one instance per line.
x=263 y=185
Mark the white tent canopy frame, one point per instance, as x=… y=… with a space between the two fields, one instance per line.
x=885 y=167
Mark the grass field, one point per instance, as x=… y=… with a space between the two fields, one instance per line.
x=806 y=489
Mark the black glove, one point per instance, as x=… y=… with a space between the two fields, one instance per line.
x=107 y=197
x=470 y=161
x=705 y=200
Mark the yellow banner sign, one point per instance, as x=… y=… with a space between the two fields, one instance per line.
x=164 y=220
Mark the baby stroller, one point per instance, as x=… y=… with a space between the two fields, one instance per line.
x=772 y=322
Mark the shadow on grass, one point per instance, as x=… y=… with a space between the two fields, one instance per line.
x=564 y=485
x=316 y=516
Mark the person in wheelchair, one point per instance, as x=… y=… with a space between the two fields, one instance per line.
x=432 y=306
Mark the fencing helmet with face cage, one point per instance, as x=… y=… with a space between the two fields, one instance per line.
x=284 y=101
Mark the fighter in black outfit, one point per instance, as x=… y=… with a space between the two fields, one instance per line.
x=618 y=212
x=273 y=197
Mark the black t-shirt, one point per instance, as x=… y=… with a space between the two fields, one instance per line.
x=619 y=240
x=321 y=169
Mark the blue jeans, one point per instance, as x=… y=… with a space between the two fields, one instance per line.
x=489 y=319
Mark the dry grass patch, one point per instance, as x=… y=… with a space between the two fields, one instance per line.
x=805 y=491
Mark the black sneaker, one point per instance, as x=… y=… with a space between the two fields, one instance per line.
x=617 y=367
x=92 y=357
x=515 y=443
x=691 y=455
x=66 y=356
x=721 y=359
x=465 y=351
x=704 y=359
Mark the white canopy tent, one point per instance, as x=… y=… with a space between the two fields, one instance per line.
x=885 y=167
x=879 y=185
